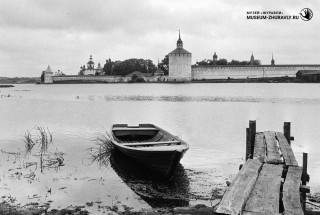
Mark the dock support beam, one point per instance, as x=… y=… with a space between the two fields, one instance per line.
x=287 y=131
x=305 y=177
x=248 y=144
x=250 y=138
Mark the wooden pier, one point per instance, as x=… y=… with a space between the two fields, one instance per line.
x=270 y=181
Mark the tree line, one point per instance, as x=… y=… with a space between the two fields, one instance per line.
x=223 y=61
x=123 y=68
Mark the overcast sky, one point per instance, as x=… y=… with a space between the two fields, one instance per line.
x=63 y=33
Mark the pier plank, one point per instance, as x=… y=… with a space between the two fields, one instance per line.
x=239 y=191
x=265 y=196
x=273 y=154
x=286 y=150
x=291 y=194
x=260 y=147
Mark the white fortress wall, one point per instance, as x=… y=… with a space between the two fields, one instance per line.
x=90 y=78
x=223 y=72
x=180 y=66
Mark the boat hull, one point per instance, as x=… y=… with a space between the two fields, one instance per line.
x=161 y=155
x=161 y=162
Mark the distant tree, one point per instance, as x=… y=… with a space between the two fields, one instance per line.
x=108 y=67
x=42 y=77
x=134 y=77
x=225 y=62
x=164 y=65
x=205 y=62
x=256 y=62
x=137 y=78
x=222 y=62
x=128 y=66
x=234 y=62
x=245 y=63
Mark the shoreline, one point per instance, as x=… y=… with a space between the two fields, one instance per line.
x=6 y=85
x=7 y=82
x=231 y=80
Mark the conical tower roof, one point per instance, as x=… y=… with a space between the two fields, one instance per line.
x=48 y=70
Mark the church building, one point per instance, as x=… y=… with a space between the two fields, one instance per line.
x=90 y=70
x=180 y=63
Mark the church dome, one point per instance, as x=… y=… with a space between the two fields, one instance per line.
x=90 y=62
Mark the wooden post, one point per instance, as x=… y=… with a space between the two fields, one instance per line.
x=305 y=177
x=287 y=131
x=305 y=169
x=252 y=127
x=248 y=144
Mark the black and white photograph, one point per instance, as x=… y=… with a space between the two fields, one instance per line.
x=159 y=107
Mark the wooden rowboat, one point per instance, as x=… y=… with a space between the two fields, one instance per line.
x=150 y=146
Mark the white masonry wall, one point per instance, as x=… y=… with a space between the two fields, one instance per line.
x=223 y=72
x=180 y=67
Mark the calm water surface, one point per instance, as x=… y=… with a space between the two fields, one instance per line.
x=211 y=117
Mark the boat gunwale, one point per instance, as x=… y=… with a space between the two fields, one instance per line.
x=183 y=143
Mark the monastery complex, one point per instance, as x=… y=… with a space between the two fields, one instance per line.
x=181 y=70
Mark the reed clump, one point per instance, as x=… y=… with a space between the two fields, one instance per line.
x=43 y=140
x=29 y=143
x=103 y=150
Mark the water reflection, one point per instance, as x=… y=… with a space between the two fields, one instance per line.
x=182 y=98
x=157 y=193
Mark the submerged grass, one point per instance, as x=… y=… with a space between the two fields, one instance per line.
x=29 y=143
x=103 y=151
x=45 y=139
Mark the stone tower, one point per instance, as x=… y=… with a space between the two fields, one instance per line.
x=180 y=63
x=46 y=76
x=272 y=61
x=215 y=58
x=252 y=59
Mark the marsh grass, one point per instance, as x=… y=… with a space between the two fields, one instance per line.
x=103 y=150
x=44 y=139
x=29 y=143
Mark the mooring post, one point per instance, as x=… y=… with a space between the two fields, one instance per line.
x=248 y=144
x=252 y=127
x=305 y=177
x=287 y=131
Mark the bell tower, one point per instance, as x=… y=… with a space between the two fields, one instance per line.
x=179 y=42
x=272 y=61
x=252 y=59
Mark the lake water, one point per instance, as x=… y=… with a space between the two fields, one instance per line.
x=212 y=118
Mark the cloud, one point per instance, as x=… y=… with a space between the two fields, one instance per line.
x=63 y=33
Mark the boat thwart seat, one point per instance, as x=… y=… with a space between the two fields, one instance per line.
x=153 y=143
x=126 y=131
